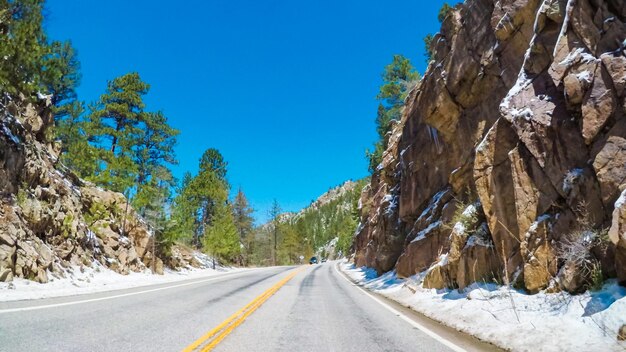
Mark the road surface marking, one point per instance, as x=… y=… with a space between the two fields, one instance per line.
x=415 y=324
x=12 y=310
x=212 y=338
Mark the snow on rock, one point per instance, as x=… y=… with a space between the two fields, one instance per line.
x=422 y=234
x=571 y=178
x=522 y=82
x=525 y=113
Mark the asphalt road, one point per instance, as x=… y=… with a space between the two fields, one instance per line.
x=312 y=308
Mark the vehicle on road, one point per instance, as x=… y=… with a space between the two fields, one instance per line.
x=313 y=260
x=324 y=260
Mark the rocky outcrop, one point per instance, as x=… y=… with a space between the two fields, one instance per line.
x=51 y=220
x=521 y=113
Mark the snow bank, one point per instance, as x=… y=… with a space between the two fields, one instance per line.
x=96 y=279
x=541 y=322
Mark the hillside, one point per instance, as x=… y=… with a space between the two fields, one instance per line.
x=330 y=220
x=508 y=164
x=324 y=228
x=51 y=221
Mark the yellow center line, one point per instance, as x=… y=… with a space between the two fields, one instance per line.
x=228 y=325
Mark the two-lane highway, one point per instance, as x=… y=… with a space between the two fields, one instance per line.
x=270 y=309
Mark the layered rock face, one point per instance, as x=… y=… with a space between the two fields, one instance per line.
x=510 y=152
x=49 y=219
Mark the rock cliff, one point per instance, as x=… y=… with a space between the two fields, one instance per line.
x=510 y=156
x=50 y=220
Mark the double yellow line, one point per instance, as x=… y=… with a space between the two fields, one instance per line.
x=213 y=337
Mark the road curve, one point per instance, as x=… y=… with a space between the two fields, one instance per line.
x=316 y=308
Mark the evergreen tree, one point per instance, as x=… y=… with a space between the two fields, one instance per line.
x=210 y=186
x=290 y=245
x=242 y=213
x=184 y=212
x=23 y=46
x=31 y=65
x=221 y=239
x=274 y=214
x=76 y=137
x=443 y=12
x=399 y=78
x=213 y=160
x=199 y=197
x=117 y=117
x=428 y=39
x=152 y=154
x=262 y=246
x=61 y=77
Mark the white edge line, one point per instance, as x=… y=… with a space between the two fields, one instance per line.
x=415 y=324
x=22 y=309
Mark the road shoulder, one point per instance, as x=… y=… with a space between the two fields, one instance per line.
x=462 y=341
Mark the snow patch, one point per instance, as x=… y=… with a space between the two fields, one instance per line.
x=422 y=234
x=621 y=201
x=98 y=278
x=535 y=224
x=571 y=178
x=522 y=82
x=568 y=11
x=8 y=133
x=434 y=202
x=547 y=321
x=525 y=113
x=584 y=76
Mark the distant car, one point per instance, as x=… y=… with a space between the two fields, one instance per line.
x=313 y=260
x=324 y=260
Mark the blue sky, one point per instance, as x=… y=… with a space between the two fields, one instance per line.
x=284 y=89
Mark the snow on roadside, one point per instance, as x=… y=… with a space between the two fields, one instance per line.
x=547 y=322
x=98 y=279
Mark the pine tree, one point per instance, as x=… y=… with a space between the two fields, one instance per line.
x=290 y=246
x=211 y=184
x=61 y=77
x=242 y=213
x=428 y=39
x=221 y=239
x=213 y=160
x=152 y=154
x=23 y=46
x=200 y=196
x=399 y=78
x=184 y=212
x=30 y=64
x=117 y=117
x=274 y=214
x=75 y=134
x=207 y=192
x=443 y=12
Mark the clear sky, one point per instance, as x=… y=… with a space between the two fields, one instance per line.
x=284 y=89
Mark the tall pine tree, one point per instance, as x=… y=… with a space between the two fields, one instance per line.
x=221 y=239
x=152 y=154
x=200 y=196
x=242 y=213
x=117 y=117
x=398 y=79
